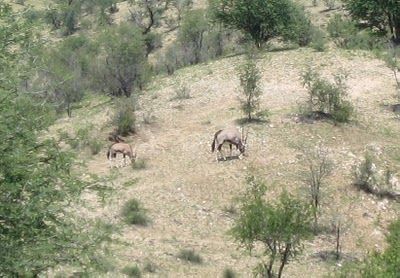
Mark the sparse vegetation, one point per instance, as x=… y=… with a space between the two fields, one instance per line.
x=134 y=214
x=191 y=256
x=319 y=167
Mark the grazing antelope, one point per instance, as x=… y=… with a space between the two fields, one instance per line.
x=123 y=148
x=232 y=136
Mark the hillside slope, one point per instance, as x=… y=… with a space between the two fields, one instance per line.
x=189 y=195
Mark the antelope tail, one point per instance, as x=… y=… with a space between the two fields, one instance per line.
x=215 y=138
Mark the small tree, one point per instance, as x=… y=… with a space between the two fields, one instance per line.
x=279 y=227
x=318 y=168
x=191 y=34
x=250 y=77
x=392 y=60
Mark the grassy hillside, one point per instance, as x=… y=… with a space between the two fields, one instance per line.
x=191 y=200
x=190 y=197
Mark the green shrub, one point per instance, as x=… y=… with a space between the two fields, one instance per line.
x=95 y=146
x=139 y=164
x=300 y=30
x=346 y=34
x=190 y=255
x=134 y=214
x=250 y=77
x=124 y=118
x=370 y=179
x=385 y=264
x=229 y=273
x=327 y=98
x=150 y=267
x=318 y=40
x=132 y=271
x=181 y=92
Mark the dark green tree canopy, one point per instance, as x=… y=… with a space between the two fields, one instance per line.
x=262 y=20
x=381 y=14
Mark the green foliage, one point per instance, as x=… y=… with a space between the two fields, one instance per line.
x=299 y=28
x=370 y=179
x=134 y=214
x=123 y=67
x=229 y=273
x=384 y=264
x=124 y=117
x=139 y=164
x=64 y=72
x=380 y=15
x=280 y=227
x=262 y=20
x=36 y=176
x=250 y=76
x=346 y=34
x=191 y=34
x=327 y=98
x=318 y=40
x=190 y=255
x=132 y=271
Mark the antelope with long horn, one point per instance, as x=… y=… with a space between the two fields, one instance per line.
x=123 y=148
x=232 y=136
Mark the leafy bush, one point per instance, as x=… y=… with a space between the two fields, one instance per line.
x=132 y=271
x=299 y=29
x=139 y=164
x=134 y=214
x=124 y=117
x=327 y=98
x=190 y=256
x=181 y=92
x=346 y=34
x=229 y=273
x=370 y=179
x=318 y=40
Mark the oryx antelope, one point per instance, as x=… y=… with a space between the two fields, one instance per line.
x=232 y=136
x=123 y=148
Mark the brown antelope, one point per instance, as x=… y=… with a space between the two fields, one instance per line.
x=123 y=148
x=232 y=136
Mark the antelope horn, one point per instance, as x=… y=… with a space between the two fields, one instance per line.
x=245 y=138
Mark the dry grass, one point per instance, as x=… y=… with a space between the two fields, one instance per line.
x=186 y=192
